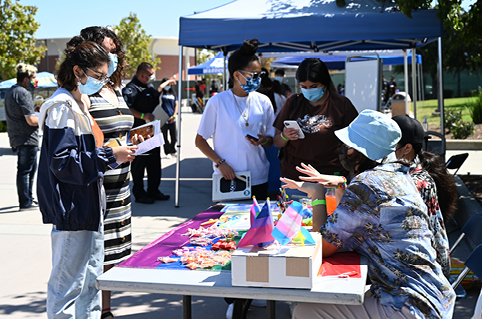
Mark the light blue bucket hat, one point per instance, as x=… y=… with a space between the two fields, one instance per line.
x=373 y=134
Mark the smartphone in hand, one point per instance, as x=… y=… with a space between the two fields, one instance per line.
x=251 y=137
x=294 y=124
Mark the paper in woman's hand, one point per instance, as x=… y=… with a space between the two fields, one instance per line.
x=149 y=144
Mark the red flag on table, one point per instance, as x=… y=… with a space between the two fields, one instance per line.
x=260 y=232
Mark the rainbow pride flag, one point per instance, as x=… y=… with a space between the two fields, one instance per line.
x=260 y=232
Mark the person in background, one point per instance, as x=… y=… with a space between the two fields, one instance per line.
x=203 y=87
x=382 y=217
x=279 y=98
x=22 y=128
x=114 y=118
x=279 y=76
x=142 y=98
x=73 y=162
x=214 y=88
x=435 y=185
x=170 y=104
x=199 y=98
x=392 y=87
x=319 y=112
x=384 y=90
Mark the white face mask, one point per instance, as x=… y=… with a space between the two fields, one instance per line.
x=152 y=78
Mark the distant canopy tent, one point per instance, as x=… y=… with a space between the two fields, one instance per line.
x=212 y=66
x=306 y=25
x=45 y=80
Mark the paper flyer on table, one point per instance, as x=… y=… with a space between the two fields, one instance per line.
x=153 y=142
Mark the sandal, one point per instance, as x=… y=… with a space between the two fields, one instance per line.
x=106 y=314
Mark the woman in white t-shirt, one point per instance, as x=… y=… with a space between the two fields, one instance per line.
x=232 y=116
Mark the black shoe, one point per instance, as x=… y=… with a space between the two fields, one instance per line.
x=34 y=205
x=145 y=200
x=160 y=196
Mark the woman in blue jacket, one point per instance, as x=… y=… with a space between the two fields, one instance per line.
x=70 y=192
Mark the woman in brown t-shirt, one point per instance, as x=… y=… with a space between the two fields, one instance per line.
x=319 y=111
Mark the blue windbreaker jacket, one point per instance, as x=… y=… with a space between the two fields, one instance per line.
x=71 y=167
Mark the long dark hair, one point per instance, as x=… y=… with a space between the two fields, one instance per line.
x=446 y=188
x=242 y=57
x=81 y=53
x=97 y=35
x=315 y=70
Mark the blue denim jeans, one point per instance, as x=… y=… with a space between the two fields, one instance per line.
x=77 y=261
x=26 y=168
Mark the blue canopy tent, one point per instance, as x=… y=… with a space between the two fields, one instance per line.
x=337 y=62
x=307 y=25
x=212 y=66
x=45 y=80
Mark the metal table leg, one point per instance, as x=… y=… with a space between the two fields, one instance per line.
x=271 y=309
x=186 y=307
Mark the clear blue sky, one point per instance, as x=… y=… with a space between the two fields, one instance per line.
x=64 y=18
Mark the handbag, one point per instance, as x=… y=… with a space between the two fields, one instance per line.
x=281 y=152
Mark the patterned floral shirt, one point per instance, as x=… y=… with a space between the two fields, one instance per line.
x=383 y=217
x=428 y=190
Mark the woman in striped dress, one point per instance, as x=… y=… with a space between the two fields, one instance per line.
x=114 y=118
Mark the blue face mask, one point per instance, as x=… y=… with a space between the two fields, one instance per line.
x=91 y=86
x=251 y=84
x=279 y=79
x=314 y=94
x=167 y=88
x=113 y=64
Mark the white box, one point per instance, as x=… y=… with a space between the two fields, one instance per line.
x=292 y=267
x=238 y=189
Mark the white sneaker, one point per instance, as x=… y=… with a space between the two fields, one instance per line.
x=229 y=312
x=168 y=156
x=259 y=303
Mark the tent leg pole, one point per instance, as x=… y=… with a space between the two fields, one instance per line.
x=178 y=127
x=440 y=90
x=405 y=76
x=414 y=82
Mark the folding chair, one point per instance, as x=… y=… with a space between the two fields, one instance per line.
x=472 y=229
x=434 y=146
x=456 y=161
x=473 y=263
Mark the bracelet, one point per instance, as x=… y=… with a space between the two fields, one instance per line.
x=142 y=116
x=219 y=163
x=265 y=141
x=286 y=139
x=317 y=202
x=343 y=184
x=174 y=116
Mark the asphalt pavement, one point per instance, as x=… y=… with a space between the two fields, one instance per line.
x=26 y=259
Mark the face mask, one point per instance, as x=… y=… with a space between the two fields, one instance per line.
x=33 y=84
x=279 y=79
x=346 y=162
x=91 y=86
x=313 y=95
x=251 y=84
x=167 y=88
x=113 y=64
x=152 y=78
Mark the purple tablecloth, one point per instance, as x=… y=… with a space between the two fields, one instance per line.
x=164 y=245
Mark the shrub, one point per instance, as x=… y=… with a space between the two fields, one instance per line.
x=3 y=127
x=461 y=129
x=451 y=117
x=475 y=107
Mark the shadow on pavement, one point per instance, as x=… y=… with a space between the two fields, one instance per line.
x=32 y=302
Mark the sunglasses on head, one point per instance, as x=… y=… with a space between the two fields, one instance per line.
x=254 y=75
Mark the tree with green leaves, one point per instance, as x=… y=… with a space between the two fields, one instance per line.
x=17 y=41
x=136 y=42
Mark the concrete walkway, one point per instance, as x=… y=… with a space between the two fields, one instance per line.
x=26 y=257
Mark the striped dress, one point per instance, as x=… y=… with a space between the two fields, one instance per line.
x=115 y=123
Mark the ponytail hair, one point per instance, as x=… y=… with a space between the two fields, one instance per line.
x=242 y=57
x=83 y=54
x=446 y=188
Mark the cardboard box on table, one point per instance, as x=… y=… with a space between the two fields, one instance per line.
x=293 y=266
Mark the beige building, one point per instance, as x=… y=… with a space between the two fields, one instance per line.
x=165 y=48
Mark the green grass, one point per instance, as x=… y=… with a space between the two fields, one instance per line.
x=429 y=106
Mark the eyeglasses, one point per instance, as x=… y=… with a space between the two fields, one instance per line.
x=101 y=78
x=254 y=75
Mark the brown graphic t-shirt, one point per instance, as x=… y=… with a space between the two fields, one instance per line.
x=320 y=145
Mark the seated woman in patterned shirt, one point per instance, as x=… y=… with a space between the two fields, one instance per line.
x=381 y=216
x=433 y=182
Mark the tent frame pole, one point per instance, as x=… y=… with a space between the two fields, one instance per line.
x=178 y=127
x=405 y=76
x=441 y=91
x=414 y=83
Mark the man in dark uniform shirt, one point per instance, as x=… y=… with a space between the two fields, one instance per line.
x=142 y=98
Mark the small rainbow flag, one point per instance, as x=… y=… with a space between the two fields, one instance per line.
x=289 y=224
